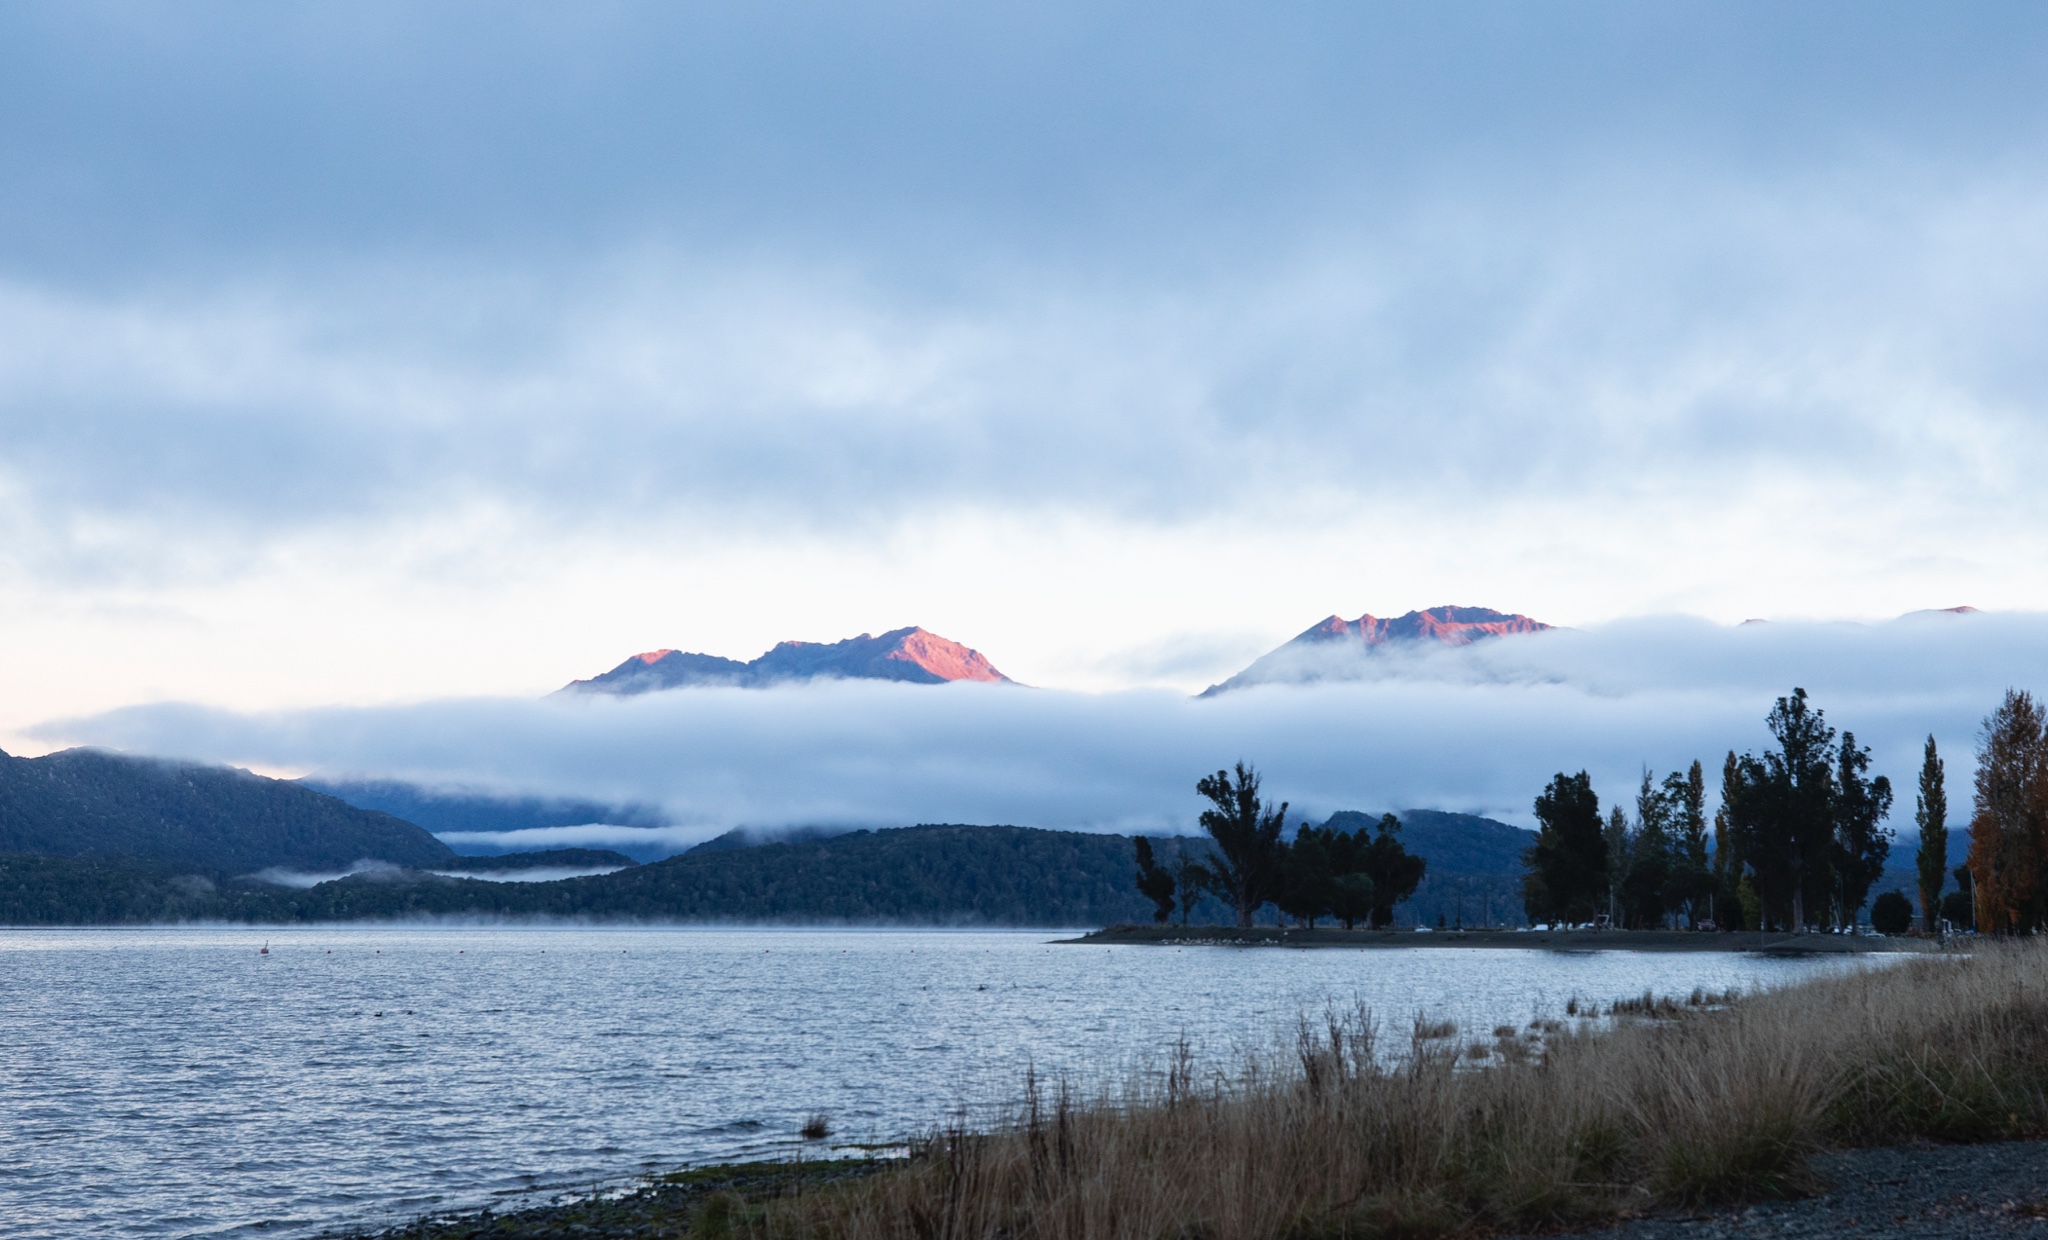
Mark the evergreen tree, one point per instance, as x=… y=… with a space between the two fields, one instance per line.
x=1645 y=890
x=1892 y=913
x=1393 y=871
x=2006 y=828
x=1307 y=886
x=1862 y=843
x=1930 y=815
x=1568 y=863
x=1960 y=905
x=1692 y=878
x=1615 y=841
x=1351 y=895
x=1154 y=882
x=1247 y=835
x=1782 y=812
x=1353 y=899
x=1729 y=834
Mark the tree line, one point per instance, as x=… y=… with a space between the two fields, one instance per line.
x=1799 y=837
x=1797 y=841
x=1346 y=876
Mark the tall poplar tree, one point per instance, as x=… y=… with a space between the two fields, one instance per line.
x=1930 y=814
x=1646 y=886
x=1692 y=881
x=1729 y=834
x=1614 y=840
x=2006 y=827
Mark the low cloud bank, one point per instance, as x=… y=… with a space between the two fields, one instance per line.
x=639 y=843
x=534 y=874
x=279 y=876
x=1479 y=729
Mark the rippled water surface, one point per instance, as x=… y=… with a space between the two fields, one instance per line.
x=175 y=1082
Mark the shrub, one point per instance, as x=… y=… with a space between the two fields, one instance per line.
x=1891 y=914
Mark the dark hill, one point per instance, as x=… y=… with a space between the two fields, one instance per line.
x=1453 y=843
x=90 y=803
x=1475 y=866
x=928 y=875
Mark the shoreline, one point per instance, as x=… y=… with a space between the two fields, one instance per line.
x=1748 y=941
x=1906 y=1190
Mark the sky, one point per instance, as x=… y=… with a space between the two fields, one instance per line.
x=375 y=361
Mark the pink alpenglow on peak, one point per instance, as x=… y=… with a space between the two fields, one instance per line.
x=1453 y=626
x=1335 y=648
x=912 y=655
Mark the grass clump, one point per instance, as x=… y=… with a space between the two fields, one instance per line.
x=1713 y=1100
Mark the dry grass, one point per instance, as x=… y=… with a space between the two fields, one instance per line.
x=1673 y=1103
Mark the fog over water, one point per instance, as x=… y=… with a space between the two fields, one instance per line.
x=175 y=1082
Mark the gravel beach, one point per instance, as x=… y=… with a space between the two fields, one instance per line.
x=1912 y=1192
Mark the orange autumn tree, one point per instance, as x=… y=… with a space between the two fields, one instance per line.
x=2009 y=828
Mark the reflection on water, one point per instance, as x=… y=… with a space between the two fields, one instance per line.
x=174 y=1082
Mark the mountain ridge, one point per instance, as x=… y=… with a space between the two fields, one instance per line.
x=913 y=655
x=1307 y=656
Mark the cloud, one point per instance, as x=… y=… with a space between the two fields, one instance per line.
x=533 y=874
x=280 y=876
x=641 y=842
x=612 y=270
x=1099 y=338
x=1479 y=729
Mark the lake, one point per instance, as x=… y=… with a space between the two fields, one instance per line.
x=175 y=1082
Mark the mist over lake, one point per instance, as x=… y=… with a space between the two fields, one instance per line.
x=175 y=1082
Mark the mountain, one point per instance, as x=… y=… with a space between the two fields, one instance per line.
x=89 y=803
x=926 y=875
x=911 y=654
x=1331 y=648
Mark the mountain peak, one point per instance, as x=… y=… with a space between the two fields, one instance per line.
x=1309 y=655
x=913 y=654
x=1453 y=626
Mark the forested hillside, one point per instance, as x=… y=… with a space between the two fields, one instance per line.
x=89 y=803
x=930 y=875
x=926 y=875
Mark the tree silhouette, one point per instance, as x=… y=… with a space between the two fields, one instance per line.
x=1308 y=881
x=1892 y=913
x=1568 y=863
x=1154 y=883
x=1394 y=871
x=1862 y=844
x=1247 y=835
x=1930 y=814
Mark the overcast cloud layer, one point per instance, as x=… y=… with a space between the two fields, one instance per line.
x=381 y=353
x=1479 y=729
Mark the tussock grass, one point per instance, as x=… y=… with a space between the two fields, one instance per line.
x=1685 y=1103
